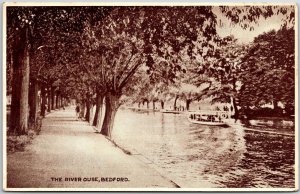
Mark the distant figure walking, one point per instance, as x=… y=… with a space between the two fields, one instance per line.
x=77 y=109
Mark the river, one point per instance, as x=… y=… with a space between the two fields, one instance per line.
x=259 y=154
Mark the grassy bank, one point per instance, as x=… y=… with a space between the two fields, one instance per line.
x=19 y=142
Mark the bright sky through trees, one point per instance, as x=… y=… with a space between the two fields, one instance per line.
x=226 y=28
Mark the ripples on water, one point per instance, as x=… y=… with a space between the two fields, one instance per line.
x=208 y=156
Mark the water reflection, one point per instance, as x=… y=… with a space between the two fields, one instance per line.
x=207 y=156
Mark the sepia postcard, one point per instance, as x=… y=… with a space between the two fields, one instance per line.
x=150 y=97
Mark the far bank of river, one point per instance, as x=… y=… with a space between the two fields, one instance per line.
x=208 y=156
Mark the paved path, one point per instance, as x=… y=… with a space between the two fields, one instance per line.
x=67 y=148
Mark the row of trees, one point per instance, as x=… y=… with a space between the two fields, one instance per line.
x=104 y=56
x=248 y=76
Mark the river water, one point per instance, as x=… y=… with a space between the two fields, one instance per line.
x=256 y=154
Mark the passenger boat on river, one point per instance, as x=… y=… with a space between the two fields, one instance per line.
x=171 y=111
x=214 y=118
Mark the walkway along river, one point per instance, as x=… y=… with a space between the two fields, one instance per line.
x=208 y=156
x=190 y=155
x=68 y=154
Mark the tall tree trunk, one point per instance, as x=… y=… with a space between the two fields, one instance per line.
x=175 y=102
x=82 y=109
x=49 y=99
x=98 y=115
x=15 y=98
x=62 y=102
x=95 y=119
x=235 y=109
x=111 y=107
x=139 y=104
x=33 y=101
x=162 y=104
x=57 y=100
x=52 y=98
x=234 y=104
x=20 y=87
x=275 y=104
x=88 y=110
x=188 y=102
x=43 y=105
x=91 y=119
x=24 y=93
x=147 y=104
x=153 y=103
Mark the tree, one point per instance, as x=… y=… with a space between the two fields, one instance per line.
x=162 y=91
x=268 y=71
x=133 y=36
x=224 y=67
x=142 y=92
x=224 y=64
x=108 y=46
x=157 y=35
x=189 y=93
x=20 y=65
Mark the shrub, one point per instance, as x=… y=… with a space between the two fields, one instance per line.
x=17 y=143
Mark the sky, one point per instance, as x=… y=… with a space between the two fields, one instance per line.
x=246 y=36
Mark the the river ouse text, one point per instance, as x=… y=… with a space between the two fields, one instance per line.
x=90 y=179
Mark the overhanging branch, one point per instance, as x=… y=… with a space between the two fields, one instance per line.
x=130 y=73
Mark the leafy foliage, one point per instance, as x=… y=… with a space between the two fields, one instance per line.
x=84 y=51
x=268 y=74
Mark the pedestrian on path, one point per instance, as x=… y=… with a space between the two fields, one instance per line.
x=77 y=109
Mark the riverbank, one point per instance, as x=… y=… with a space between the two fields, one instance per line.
x=68 y=154
x=200 y=156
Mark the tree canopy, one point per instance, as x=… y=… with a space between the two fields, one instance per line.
x=88 y=51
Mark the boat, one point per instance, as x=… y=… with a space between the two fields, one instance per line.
x=171 y=111
x=213 y=118
x=143 y=109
